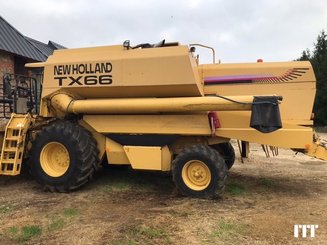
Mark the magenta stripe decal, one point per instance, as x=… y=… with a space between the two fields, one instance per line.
x=227 y=79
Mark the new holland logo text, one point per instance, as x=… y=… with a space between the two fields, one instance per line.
x=83 y=74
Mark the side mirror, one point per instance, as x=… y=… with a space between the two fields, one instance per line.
x=126 y=44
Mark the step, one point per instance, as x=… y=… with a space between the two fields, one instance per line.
x=5 y=161
x=9 y=173
x=10 y=150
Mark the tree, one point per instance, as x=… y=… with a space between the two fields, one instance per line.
x=318 y=59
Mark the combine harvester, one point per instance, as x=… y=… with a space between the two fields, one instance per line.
x=152 y=107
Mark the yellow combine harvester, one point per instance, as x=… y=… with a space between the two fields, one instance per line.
x=155 y=108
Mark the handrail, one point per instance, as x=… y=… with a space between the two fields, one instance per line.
x=208 y=47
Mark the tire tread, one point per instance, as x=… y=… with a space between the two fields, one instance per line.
x=86 y=159
x=212 y=159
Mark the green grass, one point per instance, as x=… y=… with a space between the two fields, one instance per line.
x=124 y=180
x=114 y=183
x=227 y=231
x=115 y=186
x=30 y=231
x=144 y=235
x=71 y=212
x=25 y=233
x=153 y=235
x=56 y=224
x=153 y=232
x=13 y=231
x=122 y=242
x=121 y=185
x=236 y=189
x=183 y=213
x=266 y=183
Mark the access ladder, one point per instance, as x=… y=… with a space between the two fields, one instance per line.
x=14 y=144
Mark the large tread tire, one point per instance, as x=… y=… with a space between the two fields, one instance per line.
x=214 y=162
x=83 y=156
x=227 y=151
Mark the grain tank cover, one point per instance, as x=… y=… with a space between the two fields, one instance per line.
x=117 y=72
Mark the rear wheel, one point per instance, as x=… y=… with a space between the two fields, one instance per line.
x=64 y=156
x=227 y=151
x=199 y=171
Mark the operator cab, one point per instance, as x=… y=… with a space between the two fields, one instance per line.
x=20 y=94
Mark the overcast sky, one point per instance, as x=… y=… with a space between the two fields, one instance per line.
x=239 y=30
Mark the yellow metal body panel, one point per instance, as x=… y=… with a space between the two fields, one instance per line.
x=197 y=124
x=115 y=153
x=295 y=81
x=317 y=149
x=272 y=68
x=140 y=157
x=148 y=158
x=167 y=71
x=235 y=125
x=298 y=89
x=297 y=98
x=166 y=158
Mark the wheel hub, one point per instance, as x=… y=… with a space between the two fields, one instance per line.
x=54 y=159
x=196 y=175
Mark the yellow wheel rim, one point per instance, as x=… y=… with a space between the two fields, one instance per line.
x=54 y=159
x=196 y=175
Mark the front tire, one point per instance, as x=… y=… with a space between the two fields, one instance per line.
x=199 y=171
x=64 y=156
